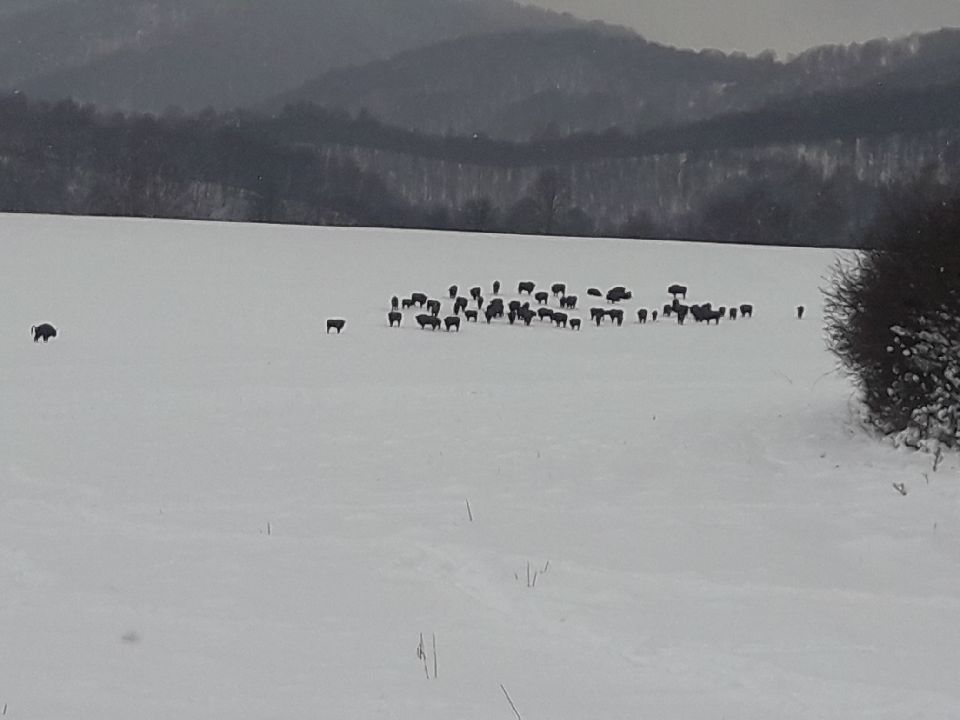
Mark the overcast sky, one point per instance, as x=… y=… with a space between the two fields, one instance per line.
x=786 y=26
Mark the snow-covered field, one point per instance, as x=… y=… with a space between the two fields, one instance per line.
x=719 y=539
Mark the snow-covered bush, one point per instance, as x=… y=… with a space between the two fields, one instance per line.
x=893 y=319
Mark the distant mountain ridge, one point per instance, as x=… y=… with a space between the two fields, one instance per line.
x=520 y=85
x=146 y=55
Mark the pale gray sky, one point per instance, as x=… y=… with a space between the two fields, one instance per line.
x=786 y=26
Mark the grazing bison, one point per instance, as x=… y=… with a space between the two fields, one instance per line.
x=496 y=307
x=654 y=315
x=490 y=313
x=568 y=301
x=667 y=310
x=453 y=291
x=746 y=310
x=475 y=292
x=407 y=303
x=459 y=304
x=618 y=293
x=595 y=292
x=394 y=317
x=423 y=320
x=682 y=311
x=544 y=313
x=527 y=315
x=419 y=298
x=574 y=323
x=616 y=315
x=677 y=290
x=434 y=307
x=452 y=321
x=526 y=287
x=335 y=324
x=514 y=306
x=394 y=302
x=470 y=315
x=597 y=314
x=560 y=319
x=642 y=315
x=44 y=330
x=733 y=313
x=800 y=311
x=558 y=289
x=541 y=298
x=496 y=287
x=714 y=315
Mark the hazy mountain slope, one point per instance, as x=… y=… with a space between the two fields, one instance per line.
x=518 y=84
x=148 y=55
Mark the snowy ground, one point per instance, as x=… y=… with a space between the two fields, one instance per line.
x=722 y=543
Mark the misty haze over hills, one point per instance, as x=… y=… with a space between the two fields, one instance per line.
x=421 y=112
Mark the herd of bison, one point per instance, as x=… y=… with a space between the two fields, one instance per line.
x=520 y=310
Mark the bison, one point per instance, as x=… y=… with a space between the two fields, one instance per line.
x=541 y=298
x=595 y=292
x=490 y=313
x=335 y=324
x=560 y=319
x=654 y=316
x=459 y=304
x=543 y=313
x=733 y=313
x=574 y=323
x=677 y=290
x=597 y=314
x=452 y=321
x=569 y=302
x=394 y=302
x=616 y=315
x=394 y=316
x=526 y=287
x=800 y=311
x=453 y=291
x=682 y=311
x=496 y=287
x=407 y=303
x=419 y=298
x=423 y=320
x=434 y=307
x=618 y=293
x=44 y=331
x=746 y=310
x=512 y=316
x=514 y=306
x=558 y=289
x=642 y=315
x=470 y=315
x=475 y=292
x=527 y=315
x=667 y=310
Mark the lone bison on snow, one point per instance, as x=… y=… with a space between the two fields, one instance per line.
x=335 y=324
x=44 y=330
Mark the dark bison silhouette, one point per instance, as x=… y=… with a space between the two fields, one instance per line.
x=424 y=320
x=597 y=314
x=642 y=315
x=512 y=316
x=618 y=293
x=44 y=331
x=490 y=313
x=419 y=298
x=335 y=324
x=496 y=287
x=453 y=289
x=434 y=307
x=452 y=321
x=496 y=307
x=394 y=316
x=541 y=297
x=475 y=292
x=470 y=315
x=595 y=292
x=459 y=304
x=733 y=313
x=574 y=323
x=746 y=310
x=677 y=290
x=545 y=313
x=406 y=303
x=394 y=302
x=527 y=315
x=558 y=289
x=653 y=316
x=667 y=310
x=616 y=315
x=800 y=310
x=526 y=287
x=560 y=319
x=569 y=302
x=514 y=306
x=682 y=311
